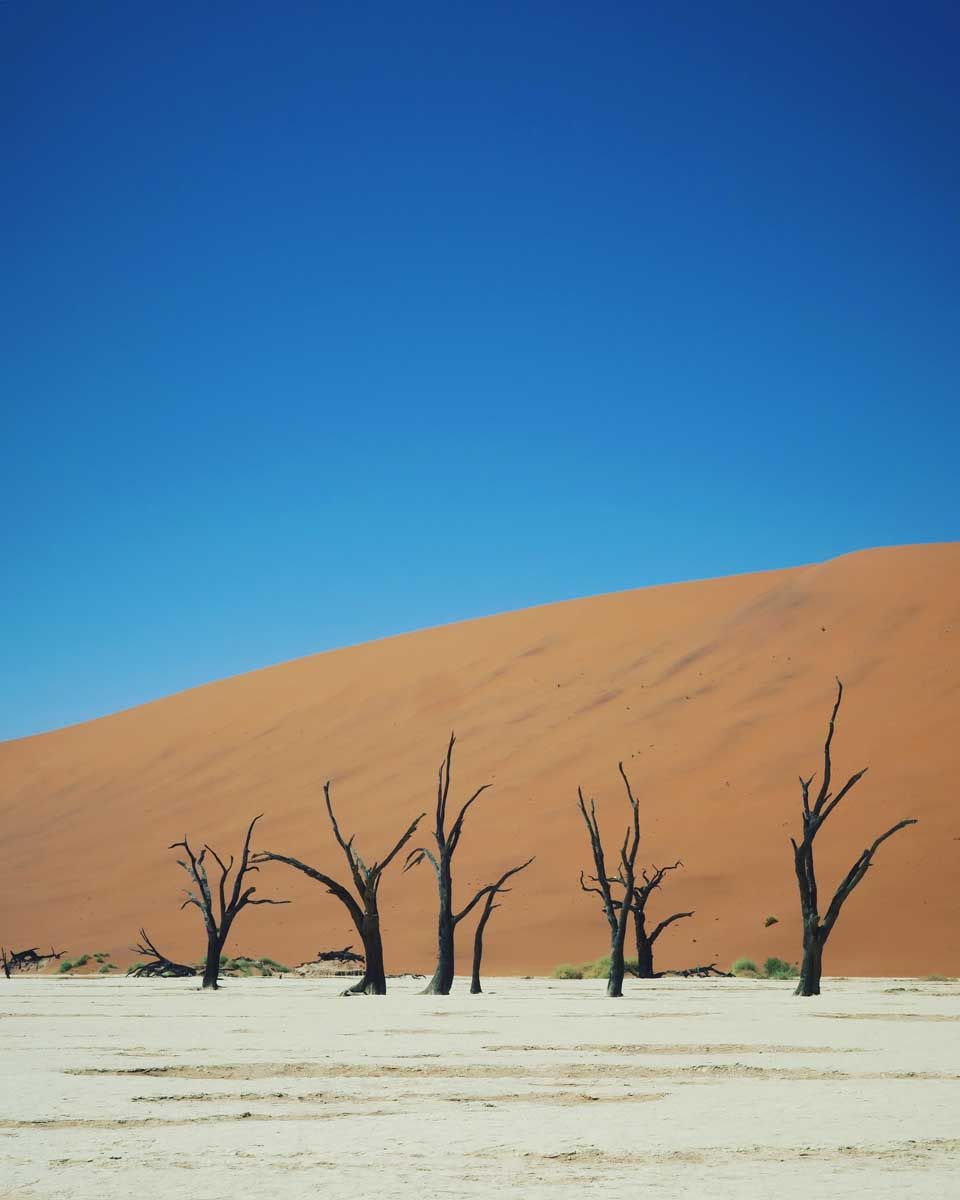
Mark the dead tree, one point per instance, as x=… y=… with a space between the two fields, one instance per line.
x=645 y=940
x=366 y=882
x=441 y=861
x=19 y=960
x=616 y=911
x=817 y=930
x=218 y=913
x=345 y=955
x=160 y=966
x=488 y=906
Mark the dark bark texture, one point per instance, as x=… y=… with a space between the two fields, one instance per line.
x=20 y=960
x=364 y=908
x=221 y=908
x=441 y=860
x=488 y=906
x=616 y=911
x=158 y=965
x=817 y=929
x=645 y=939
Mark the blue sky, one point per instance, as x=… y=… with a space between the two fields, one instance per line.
x=321 y=322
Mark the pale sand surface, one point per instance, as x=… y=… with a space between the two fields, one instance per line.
x=280 y=1088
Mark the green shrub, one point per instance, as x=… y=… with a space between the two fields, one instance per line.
x=567 y=971
x=65 y=966
x=82 y=960
x=273 y=965
x=598 y=969
x=106 y=968
x=770 y=921
x=134 y=966
x=776 y=968
x=744 y=966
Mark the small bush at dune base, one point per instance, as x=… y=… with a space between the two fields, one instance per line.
x=776 y=968
x=744 y=966
x=771 y=921
x=598 y=969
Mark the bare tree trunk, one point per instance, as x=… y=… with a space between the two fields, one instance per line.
x=366 y=882
x=374 y=981
x=218 y=908
x=817 y=930
x=617 y=967
x=475 y=988
x=811 y=967
x=440 y=860
x=617 y=912
x=442 y=980
x=211 y=970
x=644 y=946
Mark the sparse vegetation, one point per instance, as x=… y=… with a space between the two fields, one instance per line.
x=70 y=964
x=771 y=921
x=773 y=968
x=744 y=966
x=777 y=968
x=599 y=968
x=245 y=967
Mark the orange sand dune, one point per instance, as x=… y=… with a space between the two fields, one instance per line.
x=715 y=695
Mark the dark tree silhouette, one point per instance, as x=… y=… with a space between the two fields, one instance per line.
x=160 y=966
x=218 y=913
x=617 y=912
x=645 y=940
x=817 y=930
x=441 y=860
x=19 y=960
x=366 y=882
x=488 y=906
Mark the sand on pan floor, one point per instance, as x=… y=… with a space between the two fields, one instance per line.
x=280 y=1088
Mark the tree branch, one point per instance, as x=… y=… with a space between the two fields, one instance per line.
x=332 y=886
x=669 y=921
x=856 y=873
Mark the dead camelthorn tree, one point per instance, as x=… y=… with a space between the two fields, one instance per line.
x=488 y=906
x=160 y=966
x=441 y=860
x=616 y=911
x=366 y=882
x=221 y=911
x=19 y=960
x=645 y=940
x=817 y=930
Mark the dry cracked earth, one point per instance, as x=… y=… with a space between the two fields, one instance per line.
x=281 y=1088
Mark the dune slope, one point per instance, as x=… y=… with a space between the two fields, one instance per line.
x=714 y=694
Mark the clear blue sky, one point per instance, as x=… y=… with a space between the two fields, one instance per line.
x=325 y=321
